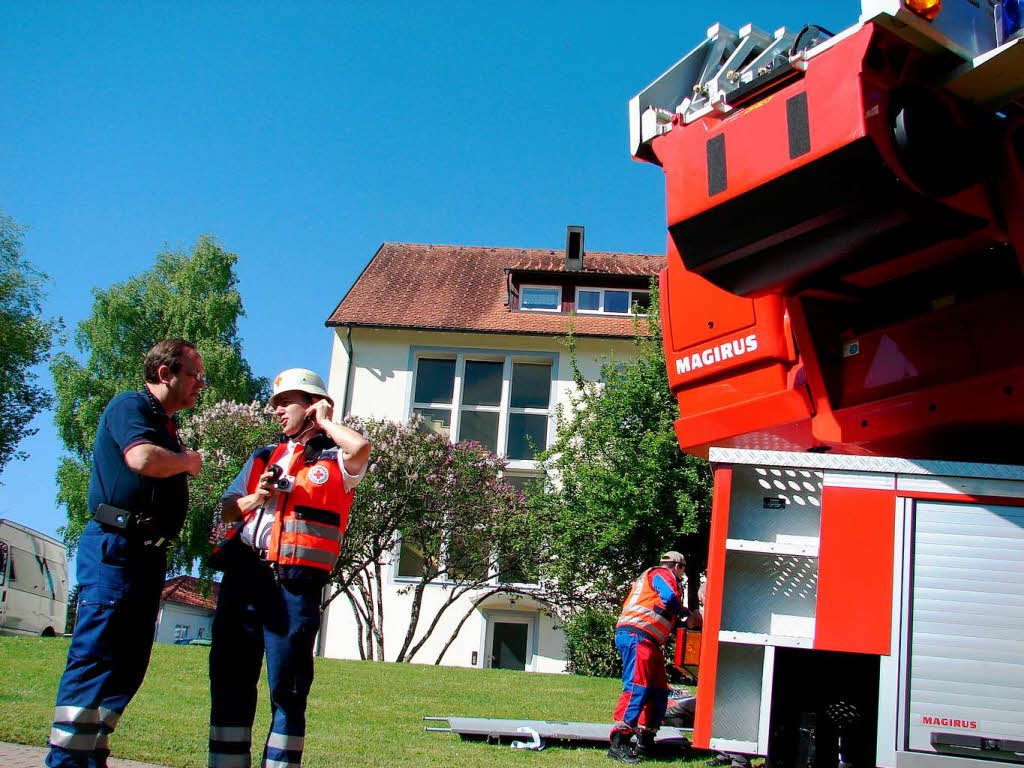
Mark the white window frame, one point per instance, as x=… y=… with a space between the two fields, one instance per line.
x=524 y=286
x=600 y=309
x=504 y=409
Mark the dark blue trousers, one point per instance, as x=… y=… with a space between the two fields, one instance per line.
x=258 y=614
x=118 y=601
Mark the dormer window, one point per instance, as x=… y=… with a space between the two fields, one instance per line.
x=611 y=301
x=541 y=298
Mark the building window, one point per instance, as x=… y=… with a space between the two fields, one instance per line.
x=612 y=301
x=502 y=402
x=410 y=561
x=543 y=298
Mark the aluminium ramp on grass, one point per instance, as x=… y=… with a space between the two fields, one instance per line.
x=494 y=728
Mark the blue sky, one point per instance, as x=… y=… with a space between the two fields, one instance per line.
x=305 y=135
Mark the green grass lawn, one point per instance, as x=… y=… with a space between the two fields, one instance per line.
x=360 y=713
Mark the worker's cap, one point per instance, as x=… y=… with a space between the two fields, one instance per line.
x=673 y=557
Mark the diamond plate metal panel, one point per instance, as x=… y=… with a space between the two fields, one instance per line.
x=755 y=498
x=758 y=586
x=840 y=461
x=738 y=692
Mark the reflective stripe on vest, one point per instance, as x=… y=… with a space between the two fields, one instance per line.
x=644 y=609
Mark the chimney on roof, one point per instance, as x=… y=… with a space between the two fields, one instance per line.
x=573 y=249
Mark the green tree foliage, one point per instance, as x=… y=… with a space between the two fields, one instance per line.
x=622 y=491
x=71 y=617
x=590 y=644
x=25 y=341
x=458 y=520
x=188 y=295
x=225 y=434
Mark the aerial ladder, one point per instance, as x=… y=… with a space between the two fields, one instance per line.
x=843 y=322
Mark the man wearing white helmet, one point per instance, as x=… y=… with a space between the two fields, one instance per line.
x=290 y=506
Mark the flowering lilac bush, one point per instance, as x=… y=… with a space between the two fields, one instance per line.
x=449 y=504
x=225 y=433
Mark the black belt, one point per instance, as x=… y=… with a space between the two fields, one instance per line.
x=131 y=524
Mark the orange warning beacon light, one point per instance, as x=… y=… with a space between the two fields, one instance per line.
x=926 y=9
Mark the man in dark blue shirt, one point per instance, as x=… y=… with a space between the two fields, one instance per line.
x=138 y=496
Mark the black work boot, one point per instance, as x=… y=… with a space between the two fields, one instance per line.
x=621 y=750
x=645 y=743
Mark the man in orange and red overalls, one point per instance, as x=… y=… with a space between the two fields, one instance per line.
x=648 y=615
x=291 y=504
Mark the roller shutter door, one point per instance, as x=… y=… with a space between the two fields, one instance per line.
x=966 y=671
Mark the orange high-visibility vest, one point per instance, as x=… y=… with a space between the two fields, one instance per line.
x=644 y=608
x=311 y=519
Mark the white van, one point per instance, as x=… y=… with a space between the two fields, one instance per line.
x=33 y=582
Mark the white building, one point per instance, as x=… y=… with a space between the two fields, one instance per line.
x=471 y=338
x=185 y=612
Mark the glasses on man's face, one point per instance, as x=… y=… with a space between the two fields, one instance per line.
x=198 y=376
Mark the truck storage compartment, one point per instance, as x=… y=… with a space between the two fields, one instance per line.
x=771 y=566
x=823 y=703
x=966 y=671
x=738 y=697
x=770 y=595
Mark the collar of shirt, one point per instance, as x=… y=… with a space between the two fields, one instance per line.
x=160 y=413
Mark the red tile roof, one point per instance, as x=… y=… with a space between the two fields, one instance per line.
x=185 y=590
x=463 y=288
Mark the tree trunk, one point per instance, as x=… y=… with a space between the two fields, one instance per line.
x=379 y=624
x=454 y=595
x=366 y=595
x=359 y=624
x=414 y=618
x=458 y=627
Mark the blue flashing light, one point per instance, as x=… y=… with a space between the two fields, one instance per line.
x=1012 y=21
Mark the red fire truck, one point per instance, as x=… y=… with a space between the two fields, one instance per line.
x=845 y=285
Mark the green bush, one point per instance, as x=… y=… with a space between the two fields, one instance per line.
x=590 y=644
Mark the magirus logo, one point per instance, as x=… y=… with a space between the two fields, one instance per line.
x=949 y=722
x=716 y=354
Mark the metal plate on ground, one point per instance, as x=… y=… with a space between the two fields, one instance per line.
x=483 y=727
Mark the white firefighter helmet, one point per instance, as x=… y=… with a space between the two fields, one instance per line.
x=299 y=380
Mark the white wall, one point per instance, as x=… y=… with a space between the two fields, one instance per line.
x=381 y=388
x=545 y=644
x=172 y=614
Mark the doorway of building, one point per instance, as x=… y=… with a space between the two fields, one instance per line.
x=508 y=646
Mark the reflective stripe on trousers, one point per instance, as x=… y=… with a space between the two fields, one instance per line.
x=284 y=751
x=82 y=729
x=230 y=747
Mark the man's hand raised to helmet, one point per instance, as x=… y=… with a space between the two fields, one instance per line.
x=321 y=412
